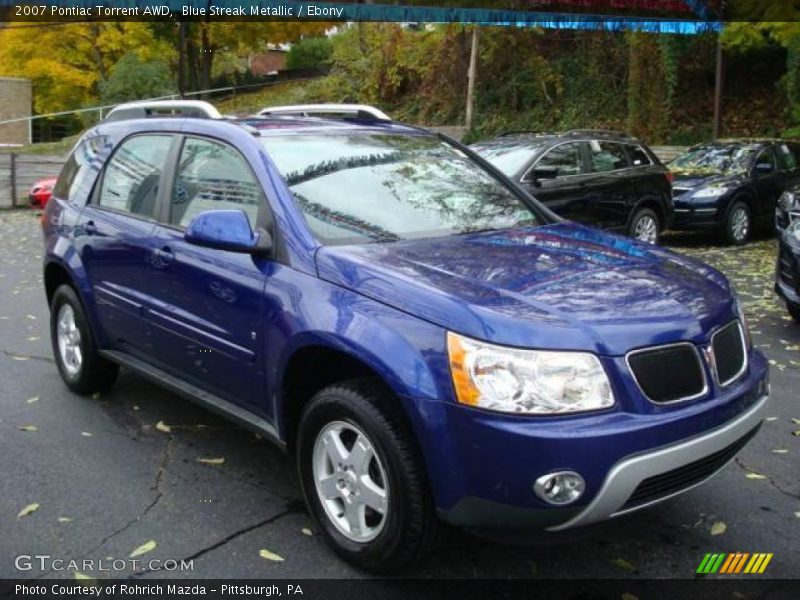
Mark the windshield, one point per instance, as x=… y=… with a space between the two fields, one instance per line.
x=714 y=160
x=510 y=159
x=358 y=188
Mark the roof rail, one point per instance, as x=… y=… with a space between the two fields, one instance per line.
x=357 y=111
x=163 y=108
x=599 y=132
x=521 y=132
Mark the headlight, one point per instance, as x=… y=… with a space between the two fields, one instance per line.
x=532 y=382
x=748 y=341
x=710 y=192
x=788 y=202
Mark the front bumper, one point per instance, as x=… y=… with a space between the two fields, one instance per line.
x=629 y=474
x=696 y=218
x=483 y=469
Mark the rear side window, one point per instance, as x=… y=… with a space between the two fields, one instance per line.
x=565 y=158
x=130 y=182
x=213 y=176
x=638 y=156
x=608 y=156
x=81 y=169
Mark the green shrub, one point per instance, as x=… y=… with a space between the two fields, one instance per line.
x=310 y=53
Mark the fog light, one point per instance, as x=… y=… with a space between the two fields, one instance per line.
x=563 y=487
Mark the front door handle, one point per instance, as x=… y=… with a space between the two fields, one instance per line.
x=164 y=255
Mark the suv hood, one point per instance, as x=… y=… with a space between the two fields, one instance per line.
x=691 y=182
x=559 y=286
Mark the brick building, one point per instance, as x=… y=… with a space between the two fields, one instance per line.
x=15 y=102
x=268 y=62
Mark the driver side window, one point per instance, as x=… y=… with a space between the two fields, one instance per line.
x=564 y=158
x=766 y=157
x=212 y=176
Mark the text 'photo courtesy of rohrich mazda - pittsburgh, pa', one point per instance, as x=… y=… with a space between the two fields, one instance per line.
x=386 y=305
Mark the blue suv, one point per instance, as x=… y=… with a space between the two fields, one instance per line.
x=426 y=340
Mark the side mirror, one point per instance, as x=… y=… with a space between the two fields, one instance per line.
x=764 y=168
x=543 y=173
x=227 y=230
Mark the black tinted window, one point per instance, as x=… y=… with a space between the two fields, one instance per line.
x=608 y=156
x=564 y=158
x=130 y=181
x=638 y=155
x=787 y=156
x=81 y=169
x=359 y=187
x=766 y=157
x=213 y=176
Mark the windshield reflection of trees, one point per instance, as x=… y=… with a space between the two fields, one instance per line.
x=447 y=192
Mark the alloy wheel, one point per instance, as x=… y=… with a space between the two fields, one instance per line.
x=350 y=481
x=68 y=337
x=646 y=229
x=740 y=224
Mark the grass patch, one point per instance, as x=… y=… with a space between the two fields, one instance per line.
x=290 y=92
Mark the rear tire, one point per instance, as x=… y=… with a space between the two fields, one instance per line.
x=81 y=366
x=794 y=311
x=355 y=453
x=738 y=224
x=645 y=226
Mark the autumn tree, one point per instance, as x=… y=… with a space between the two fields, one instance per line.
x=204 y=41
x=67 y=62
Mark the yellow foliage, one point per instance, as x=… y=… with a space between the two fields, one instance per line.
x=66 y=61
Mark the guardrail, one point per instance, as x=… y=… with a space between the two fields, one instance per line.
x=18 y=173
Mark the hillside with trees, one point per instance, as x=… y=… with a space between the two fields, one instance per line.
x=657 y=86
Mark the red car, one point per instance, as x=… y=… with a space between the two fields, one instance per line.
x=41 y=191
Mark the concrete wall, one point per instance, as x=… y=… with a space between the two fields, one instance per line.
x=15 y=101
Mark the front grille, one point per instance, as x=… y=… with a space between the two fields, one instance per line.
x=669 y=373
x=787 y=269
x=669 y=483
x=729 y=353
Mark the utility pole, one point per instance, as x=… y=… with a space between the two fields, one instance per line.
x=471 y=73
x=181 y=58
x=719 y=76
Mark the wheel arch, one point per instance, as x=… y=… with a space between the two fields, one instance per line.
x=320 y=361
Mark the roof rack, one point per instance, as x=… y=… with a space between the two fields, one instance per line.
x=357 y=111
x=522 y=132
x=623 y=134
x=163 y=108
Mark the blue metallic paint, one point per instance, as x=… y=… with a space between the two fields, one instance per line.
x=389 y=306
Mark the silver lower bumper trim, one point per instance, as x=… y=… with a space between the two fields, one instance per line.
x=627 y=474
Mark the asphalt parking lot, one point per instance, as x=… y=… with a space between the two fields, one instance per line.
x=111 y=474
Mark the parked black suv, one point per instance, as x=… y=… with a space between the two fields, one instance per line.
x=600 y=178
x=787 y=224
x=732 y=185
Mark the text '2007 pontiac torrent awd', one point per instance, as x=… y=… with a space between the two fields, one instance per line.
x=426 y=340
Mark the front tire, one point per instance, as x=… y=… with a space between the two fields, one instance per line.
x=363 y=478
x=794 y=311
x=737 y=224
x=81 y=366
x=645 y=226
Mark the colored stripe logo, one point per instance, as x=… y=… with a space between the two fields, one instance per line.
x=732 y=563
